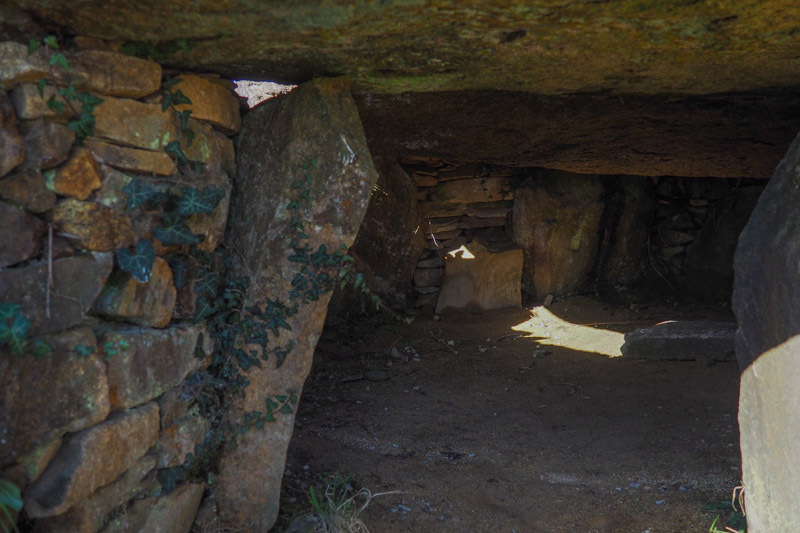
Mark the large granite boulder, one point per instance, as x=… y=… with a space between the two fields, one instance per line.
x=556 y=222
x=766 y=292
x=280 y=139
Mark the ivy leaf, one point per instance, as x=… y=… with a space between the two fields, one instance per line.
x=138 y=263
x=82 y=125
x=10 y=496
x=33 y=45
x=83 y=351
x=175 y=231
x=13 y=331
x=40 y=86
x=51 y=42
x=203 y=308
x=195 y=201
x=169 y=83
x=207 y=285
x=8 y=310
x=55 y=105
x=183 y=118
x=139 y=193
x=60 y=60
x=286 y=410
x=174 y=148
x=42 y=349
x=169 y=478
x=68 y=92
x=89 y=101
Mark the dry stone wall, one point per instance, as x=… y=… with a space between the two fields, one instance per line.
x=95 y=407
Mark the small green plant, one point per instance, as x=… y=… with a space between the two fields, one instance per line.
x=337 y=508
x=10 y=500
x=13 y=327
x=736 y=523
x=81 y=122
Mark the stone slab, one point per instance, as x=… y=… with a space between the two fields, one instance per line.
x=682 y=341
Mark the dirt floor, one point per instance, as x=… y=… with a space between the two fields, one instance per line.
x=519 y=420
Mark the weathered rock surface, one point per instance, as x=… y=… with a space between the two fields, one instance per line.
x=78 y=177
x=630 y=207
x=556 y=222
x=477 y=278
x=77 y=281
x=13 y=147
x=390 y=240
x=45 y=397
x=20 y=235
x=46 y=143
x=147 y=304
x=743 y=135
x=428 y=277
x=318 y=121
x=769 y=422
x=171 y=513
x=135 y=124
x=29 y=467
x=147 y=362
x=28 y=189
x=30 y=105
x=133 y=159
x=211 y=102
x=766 y=287
x=93 y=226
x=474 y=190
x=103 y=72
x=89 y=515
x=701 y=340
x=179 y=439
x=92 y=459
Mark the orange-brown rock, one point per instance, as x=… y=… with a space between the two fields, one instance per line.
x=211 y=102
x=148 y=362
x=78 y=177
x=93 y=226
x=45 y=397
x=89 y=515
x=179 y=439
x=126 y=158
x=30 y=105
x=27 y=188
x=134 y=124
x=104 y=72
x=91 y=459
x=212 y=225
x=145 y=304
x=170 y=513
x=28 y=468
x=479 y=278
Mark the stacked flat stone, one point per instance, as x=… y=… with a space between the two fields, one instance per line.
x=457 y=203
x=86 y=428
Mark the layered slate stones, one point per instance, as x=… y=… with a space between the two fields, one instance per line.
x=147 y=304
x=28 y=189
x=89 y=515
x=769 y=426
x=473 y=190
x=279 y=139
x=45 y=397
x=77 y=281
x=479 y=278
x=556 y=222
x=701 y=340
x=20 y=235
x=103 y=72
x=92 y=459
x=13 y=152
x=147 y=362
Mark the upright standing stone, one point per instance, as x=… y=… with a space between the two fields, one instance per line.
x=557 y=224
x=766 y=300
x=279 y=140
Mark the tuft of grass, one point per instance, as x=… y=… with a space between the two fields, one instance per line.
x=736 y=523
x=337 y=508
